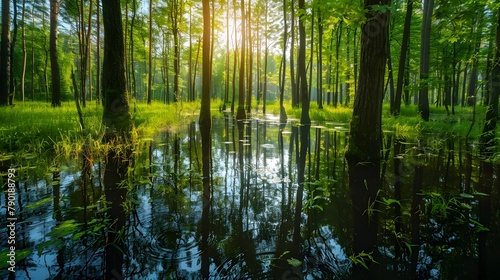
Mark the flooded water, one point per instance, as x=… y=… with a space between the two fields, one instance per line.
x=437 y=212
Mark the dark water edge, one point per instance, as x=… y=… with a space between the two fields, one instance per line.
x=438 y=211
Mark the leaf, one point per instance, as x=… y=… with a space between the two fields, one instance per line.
x=466 y=195
x=294 y=262
x=38 y=203
x=391 y=201
x=20 y=255
x=466 y=206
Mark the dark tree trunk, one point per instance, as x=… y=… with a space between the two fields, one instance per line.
x=54 y=58
x=423 y=100
x=402 y=58
x=150 y=56
x=320 y=58
x=301 y=69
x=5 y=55
x=12 y=89
x=293 y=84
x=240 y=114
x=116 y=116
x=205 y=127
x=365 y=141
x=282 y=75
x=23 y=39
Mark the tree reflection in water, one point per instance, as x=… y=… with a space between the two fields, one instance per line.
x=243 y=225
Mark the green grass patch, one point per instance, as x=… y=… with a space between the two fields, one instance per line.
x=36 y=127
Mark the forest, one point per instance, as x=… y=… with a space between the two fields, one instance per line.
x=318 y=139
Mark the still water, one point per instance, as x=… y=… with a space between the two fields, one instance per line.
x=437 y=217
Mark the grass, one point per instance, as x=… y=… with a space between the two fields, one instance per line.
x=32 y=127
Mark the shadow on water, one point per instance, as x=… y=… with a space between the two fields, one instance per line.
x=277 y=206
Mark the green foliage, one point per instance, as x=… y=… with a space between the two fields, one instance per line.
x=455 y=209
x=362 y=259
x=20 y=255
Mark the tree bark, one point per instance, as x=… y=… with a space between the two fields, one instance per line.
x=5 y=54
x=301 y=68
x=150 y=57
x=365 y=141
x=423 y=100
x=240 y=114
x=205 y=127
x=54 y=58
x=116 y=116
x=23 y=39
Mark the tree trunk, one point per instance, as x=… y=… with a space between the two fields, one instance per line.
x=301 y=69
x=320 y=58
x=98 y=55
x=283 y=116
x=205 y=127
x=365 y=141
x=423 y=100
x=54 y=58
x=250 y=60
x=150 y=56
x=240 y=114
x=12 y=90
x=23 y=39
x=295 y=94
x=116 y=115
x=402 y=58
x=5 y=55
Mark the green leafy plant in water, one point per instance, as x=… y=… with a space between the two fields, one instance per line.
x=313 y=200
x=455 y=208
x=362 y=259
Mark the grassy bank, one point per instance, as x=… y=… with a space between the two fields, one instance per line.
x=31 y=127
x=408 y=124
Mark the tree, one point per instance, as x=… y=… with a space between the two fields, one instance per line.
x=423 y=98
x=365 y=140
x=240 y=114
x=206 y=123
x=301 y=67
x=116 y=116
x=5 y=54
x=54 y=58
x=23 y=42
x=150 y=64
x=402 y=58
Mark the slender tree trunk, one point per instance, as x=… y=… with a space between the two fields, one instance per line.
x=228 y=58
x=132 y=60
x=12 y=89
x=98 y=54
x=423 y=100
x=5 y=55
x=337 y=96
x=320 y=57
x=205 y=129
x=293 y=83
x=54 y=61
x=402 y=58
x=25 y=54
x=150 y=65
x=240 y=114
x=266 y=55
x=301 y=69
x=250 y=61
x=283 y=116
x=32 y=56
